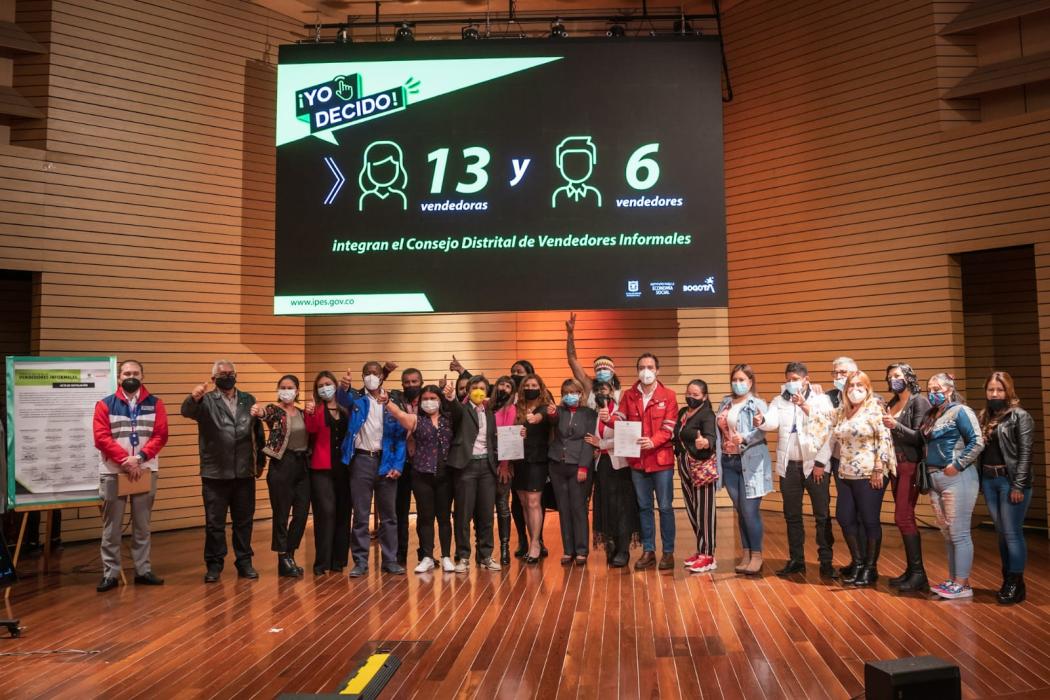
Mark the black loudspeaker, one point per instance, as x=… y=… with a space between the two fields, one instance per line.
x=912 y=678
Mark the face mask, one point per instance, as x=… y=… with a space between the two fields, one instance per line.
x=477 y=396
x=571 y=399
x=412 y=392
x=898 y=385
x=996 y=405
x=603 y=375
x=740 y=388
x=937 y=398
x=461 y=394
x=840 y=384
x=372 y=382
x=130 y=385
x=517 y=379
x=286 y=395
x=531 y=394
x=502 y=395
x=646 y=376
x=694 y=402
x=793 y=387
x=226 y=383
x=429 y=405
x=857 y=395
x=326 y=392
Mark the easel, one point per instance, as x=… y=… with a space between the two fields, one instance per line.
x=49 y=509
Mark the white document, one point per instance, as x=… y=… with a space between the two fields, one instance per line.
x=626 y=437
x=510 y=444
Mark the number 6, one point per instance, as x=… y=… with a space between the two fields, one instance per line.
x=637 y=162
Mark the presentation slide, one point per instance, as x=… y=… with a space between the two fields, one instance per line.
x=499 y=175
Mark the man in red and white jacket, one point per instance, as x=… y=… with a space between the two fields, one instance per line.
x=656 y=407
x=131 y=428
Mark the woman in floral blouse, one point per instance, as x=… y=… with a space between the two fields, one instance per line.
x=866 y=451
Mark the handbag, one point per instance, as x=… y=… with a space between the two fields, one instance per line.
x=922 y=477
x=702 y=471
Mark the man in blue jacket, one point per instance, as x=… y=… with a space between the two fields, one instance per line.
x=374 y=448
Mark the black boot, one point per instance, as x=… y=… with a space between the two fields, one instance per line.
x=291 y=562
x=503 y=521
x=916 y=580
x=869 y=571
x=898 y=580
x=856 y=556
x=285 y=567
x=1013 y=590
x=504 y=552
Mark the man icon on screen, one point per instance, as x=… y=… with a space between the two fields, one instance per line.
x=576 y=156
x=383 y=173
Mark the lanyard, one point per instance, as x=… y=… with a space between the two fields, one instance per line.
x=134 y=437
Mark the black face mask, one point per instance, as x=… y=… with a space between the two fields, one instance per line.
x=226 y=383
x=531 y=394
x=694 y=402
x=996 y=405
x=130 y=385
x=502 y=396
x=461 y=394
x=411 y=392
x=517 y=379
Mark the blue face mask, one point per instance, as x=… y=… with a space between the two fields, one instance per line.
x=793 y=388
x=603 y=375
x=740 y=388
x=571 y=399
x=937 y=398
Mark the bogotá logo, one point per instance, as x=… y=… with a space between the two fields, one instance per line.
x=339 y=102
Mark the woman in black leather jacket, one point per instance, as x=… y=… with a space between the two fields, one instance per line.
x=1006 y=477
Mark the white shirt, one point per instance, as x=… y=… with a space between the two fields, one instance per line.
x=647 y=397
x=370 y=436
x=481 y=443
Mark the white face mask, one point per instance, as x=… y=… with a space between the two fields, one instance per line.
x=326 y=392
x=286 y=395
x=646 y=376
x=429 y=405
x=857 y=395
x=372 y=382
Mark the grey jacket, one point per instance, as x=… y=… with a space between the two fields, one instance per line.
x=231 y=447
x=571 y=427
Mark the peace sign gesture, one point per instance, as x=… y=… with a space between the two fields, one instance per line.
x=570 y=325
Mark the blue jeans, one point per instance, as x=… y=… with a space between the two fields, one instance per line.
x=662 y=483
x=748 y=517
x=953 y=499
x=1008 y=518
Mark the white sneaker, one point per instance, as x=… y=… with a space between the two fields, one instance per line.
x=462 y=566
x=491 y=564
x=447 y=566
x=424 y=566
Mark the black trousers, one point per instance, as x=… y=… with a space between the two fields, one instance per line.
x=237 y=498
x=572 y=497
x=341 y=517
x=402 y=506
x=475 y=494
x=322 y=502
x=289 y=485
x=792 y=485
x=433 y=494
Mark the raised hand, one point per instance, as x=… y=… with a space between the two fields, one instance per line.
x=347 y=380
x=443 y=382
x=449 y=391
x=456 y=366
x=603 y=414
x=200 y=390
x=570 y=325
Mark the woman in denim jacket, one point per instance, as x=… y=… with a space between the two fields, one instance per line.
x=953 y=444
x=747 y=470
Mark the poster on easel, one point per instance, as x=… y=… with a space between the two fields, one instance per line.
x=51 y=455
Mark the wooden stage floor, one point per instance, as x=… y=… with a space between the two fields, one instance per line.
x=542 y=631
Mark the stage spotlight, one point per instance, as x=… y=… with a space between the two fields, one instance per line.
x=404 y=33
x=343 y=36
x=558 y=29
x=470 y=33
x=617 y=30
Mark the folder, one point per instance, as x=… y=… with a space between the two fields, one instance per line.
x=127 y=487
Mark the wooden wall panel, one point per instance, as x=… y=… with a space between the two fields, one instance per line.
x=850 y=186
x=148 y=207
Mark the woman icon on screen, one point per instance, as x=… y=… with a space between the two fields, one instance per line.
x=382 y=173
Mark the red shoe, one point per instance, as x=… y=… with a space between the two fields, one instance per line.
x=702 y=564
x=691 y=560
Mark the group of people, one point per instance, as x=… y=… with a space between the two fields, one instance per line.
x=347 y=443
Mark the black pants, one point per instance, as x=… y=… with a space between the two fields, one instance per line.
x=475 y=493
x=571 y=496
x=402 y=506
x=236 y=497
x=341 y=517
x=433 y=494
x=33 y=527
x=289 y=486
x=859 y=508
x=792 y=486
x=322 y=502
